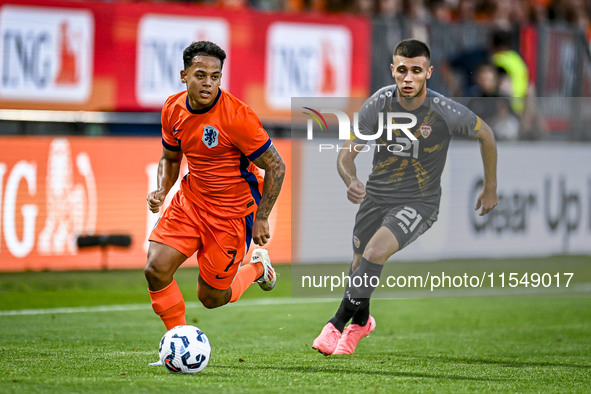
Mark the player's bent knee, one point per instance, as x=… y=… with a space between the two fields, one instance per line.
x=211 y=297
x=376 y=254
x=211 y=302
x=150 y=272
x=157 y=277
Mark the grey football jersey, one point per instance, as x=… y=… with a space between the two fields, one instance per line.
x=404 y=169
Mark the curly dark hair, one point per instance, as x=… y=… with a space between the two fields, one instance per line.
x=203 y=48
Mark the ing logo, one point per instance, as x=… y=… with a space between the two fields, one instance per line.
x=47 y=52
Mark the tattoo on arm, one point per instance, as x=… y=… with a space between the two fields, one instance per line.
x=274 y=168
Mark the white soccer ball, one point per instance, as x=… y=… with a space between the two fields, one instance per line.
x=184 y=349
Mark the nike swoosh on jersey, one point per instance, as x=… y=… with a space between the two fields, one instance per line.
x=174 y=131
x=221 y=277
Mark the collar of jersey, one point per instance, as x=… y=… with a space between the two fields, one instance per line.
x=428 y=98
x=203 y=110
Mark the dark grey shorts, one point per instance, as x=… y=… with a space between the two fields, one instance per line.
x=406 y=220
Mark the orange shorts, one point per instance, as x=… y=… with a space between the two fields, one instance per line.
x=221 y=244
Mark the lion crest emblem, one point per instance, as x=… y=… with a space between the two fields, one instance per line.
x=210 y=136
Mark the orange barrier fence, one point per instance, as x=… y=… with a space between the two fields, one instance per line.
x=54 y=189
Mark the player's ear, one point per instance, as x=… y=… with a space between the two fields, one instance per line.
x=429 y=71
x=183 y=76
x=392 y=69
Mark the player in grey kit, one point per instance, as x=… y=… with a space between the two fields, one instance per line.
x=401 y=199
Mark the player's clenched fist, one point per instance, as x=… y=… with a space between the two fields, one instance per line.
x=155 y=200
x=356 y=192
x=260 y=232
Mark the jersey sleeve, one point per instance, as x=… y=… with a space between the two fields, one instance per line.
x=251 y=138
x=460 y=120
x=369 y=113
x=168 y=139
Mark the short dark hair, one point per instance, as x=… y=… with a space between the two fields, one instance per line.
x=412 y=48
x=202 y=48
x=501 y=39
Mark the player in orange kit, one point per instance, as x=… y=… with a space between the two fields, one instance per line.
x=223 y=202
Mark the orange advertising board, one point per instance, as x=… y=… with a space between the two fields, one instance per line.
x=53 y=189
x=127 y=56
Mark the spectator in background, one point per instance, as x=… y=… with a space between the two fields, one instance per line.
x=389 y=9
x=487 y=101
x=440 y=11
x=419 y=18
x=520 y=12
x=538 y=11
x=233 y=5
x=466 y=11
x=318 y=6
x=505 y=14
x=457 y=71
x=516 y=82
x=572 y=12
x=365 y=7
x=499 y=52
x=499 y=12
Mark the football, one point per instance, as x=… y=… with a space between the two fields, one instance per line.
x=184 y=349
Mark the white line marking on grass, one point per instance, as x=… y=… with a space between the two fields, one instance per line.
x=139 y=307
x=575 y=291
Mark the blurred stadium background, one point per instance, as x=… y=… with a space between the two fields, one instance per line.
x=82 y=83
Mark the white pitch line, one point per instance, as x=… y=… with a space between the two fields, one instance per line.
x=583 y=289
x=146 y=306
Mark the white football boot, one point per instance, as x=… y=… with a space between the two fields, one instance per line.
x=269 y=279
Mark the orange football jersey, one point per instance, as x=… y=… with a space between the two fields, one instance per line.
x=220 y=143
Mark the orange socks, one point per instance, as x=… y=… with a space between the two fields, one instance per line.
x=247 y=274
x=168 y=303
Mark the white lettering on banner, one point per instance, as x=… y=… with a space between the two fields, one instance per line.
x=160 y=44
x=28 y=172
x=71 y=208
x=316 y=64
x=85 y=169
x=47 y=53
x=69 y=213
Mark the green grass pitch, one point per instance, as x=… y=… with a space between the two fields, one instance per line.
x=104 y=334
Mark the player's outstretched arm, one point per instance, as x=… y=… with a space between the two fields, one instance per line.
x=168 y=172
x=274 y=167
x=487 y=199
x=348 y=171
